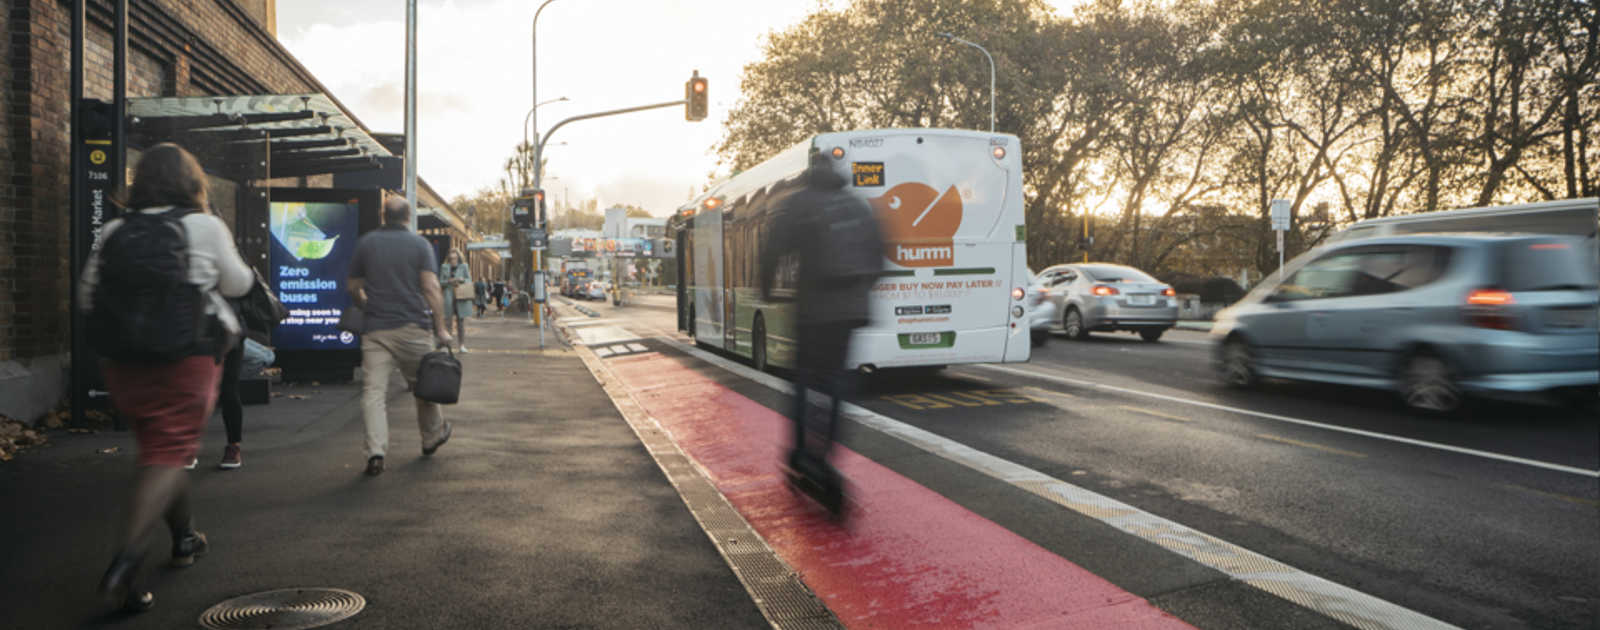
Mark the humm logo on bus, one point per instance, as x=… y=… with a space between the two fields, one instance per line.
x=919 y=224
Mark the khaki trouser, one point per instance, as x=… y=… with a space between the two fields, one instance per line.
x=381 y=353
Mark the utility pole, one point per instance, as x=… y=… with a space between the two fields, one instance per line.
x=411 y=110
x=537 y=288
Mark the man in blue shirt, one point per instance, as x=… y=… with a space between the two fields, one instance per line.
x=392 y=279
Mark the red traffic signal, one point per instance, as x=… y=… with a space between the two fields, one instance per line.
x=694 y=96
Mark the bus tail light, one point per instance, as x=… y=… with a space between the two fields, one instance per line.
x=1018 y=293
x=1103 y=290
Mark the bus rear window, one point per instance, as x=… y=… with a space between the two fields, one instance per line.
x=1543 y=265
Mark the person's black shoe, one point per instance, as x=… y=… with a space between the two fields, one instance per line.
x=374 y=465
x=428 y=449
x=116 y=587
x=188 y=547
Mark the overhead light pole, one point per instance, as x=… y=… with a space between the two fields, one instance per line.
x=529 y=117
x=952 y=37
x=411 y=110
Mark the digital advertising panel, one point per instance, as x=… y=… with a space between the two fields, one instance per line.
x=312 y=244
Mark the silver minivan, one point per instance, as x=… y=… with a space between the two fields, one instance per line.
x=1431 y=316
x=1105 y=297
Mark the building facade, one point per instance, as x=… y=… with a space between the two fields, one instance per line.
x=176 y=49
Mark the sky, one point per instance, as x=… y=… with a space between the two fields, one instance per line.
x=475 y=82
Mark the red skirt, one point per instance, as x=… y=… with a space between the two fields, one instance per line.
x=167 y=404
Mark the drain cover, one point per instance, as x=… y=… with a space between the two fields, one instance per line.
x=285 y=609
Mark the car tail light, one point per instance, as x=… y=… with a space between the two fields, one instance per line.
x=1487 y=308
x=1169 y=292
x=1103 y=290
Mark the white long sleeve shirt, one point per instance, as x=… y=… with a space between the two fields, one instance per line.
x=214 y=265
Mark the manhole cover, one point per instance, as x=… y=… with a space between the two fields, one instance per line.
x=286 y=609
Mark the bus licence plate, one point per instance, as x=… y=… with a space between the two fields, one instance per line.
x=926 y=339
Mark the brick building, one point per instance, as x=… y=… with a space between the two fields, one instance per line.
x=178 y=51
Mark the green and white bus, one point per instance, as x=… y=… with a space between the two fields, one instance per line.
x=955 y=268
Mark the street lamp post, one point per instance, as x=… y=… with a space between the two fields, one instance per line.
x=534 y=113
x=952 y=37
x=529 y=117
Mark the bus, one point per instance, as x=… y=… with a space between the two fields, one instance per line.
x=955 y=268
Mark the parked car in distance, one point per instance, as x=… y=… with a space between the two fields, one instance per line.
x=1103 y=297
x=596 y=291
x=1434 y=317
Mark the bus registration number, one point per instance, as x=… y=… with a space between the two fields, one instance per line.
x=926 y=339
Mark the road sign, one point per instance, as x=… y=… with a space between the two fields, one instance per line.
x=538 y=238
x=1280 y=214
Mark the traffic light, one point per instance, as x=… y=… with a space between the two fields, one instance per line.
x=694 y=95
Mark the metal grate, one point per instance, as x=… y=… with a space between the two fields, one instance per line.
x=284 y=609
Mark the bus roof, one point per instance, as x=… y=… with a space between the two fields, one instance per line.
x=789 y=163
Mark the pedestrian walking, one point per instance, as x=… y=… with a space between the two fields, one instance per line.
x=500 y=296
x=154 y=293
x=840 y=253
x=480 y=295
x=393 y=280
x=457 y=280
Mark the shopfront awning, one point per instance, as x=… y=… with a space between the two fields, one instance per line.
x=285 y=135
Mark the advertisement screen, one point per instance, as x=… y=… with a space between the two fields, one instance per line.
x=312 y=244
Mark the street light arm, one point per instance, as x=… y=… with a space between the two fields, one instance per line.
x=529 y=116
x=985 y=51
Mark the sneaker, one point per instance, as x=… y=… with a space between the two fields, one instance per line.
x=187 y=547
x=428 y=449
x=231 y=458
x=193 y=462
x=464 y=350
x=374 y=465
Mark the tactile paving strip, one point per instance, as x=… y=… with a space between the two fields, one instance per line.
x=775 y=588
x=284 y=609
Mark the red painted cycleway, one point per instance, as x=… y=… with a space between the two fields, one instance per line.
x=907 y=557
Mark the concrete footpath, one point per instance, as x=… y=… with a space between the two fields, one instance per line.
x=544 y=510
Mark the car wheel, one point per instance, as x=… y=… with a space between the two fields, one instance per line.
x=1072 y=323
x=758 y=344
x=1238 y=365
x=1152 y=334
x=1427 y=384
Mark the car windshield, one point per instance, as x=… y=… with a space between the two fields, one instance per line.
x=1546 y=265
x=1116 y=273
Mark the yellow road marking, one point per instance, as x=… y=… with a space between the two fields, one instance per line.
x=1554 y=495
x=1154 y=413
x=1327 y=449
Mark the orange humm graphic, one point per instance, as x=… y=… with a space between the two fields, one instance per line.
x=919 y=224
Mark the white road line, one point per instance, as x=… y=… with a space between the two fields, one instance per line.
x=1308 y=423
x=1336 y=601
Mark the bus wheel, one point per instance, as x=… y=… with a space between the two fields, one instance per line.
x=758 y=344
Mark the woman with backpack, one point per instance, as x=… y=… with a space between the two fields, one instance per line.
x=154 y=293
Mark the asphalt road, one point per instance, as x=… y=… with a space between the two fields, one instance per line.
x=1486 y=521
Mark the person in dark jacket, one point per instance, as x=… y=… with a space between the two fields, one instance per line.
x=834 y=242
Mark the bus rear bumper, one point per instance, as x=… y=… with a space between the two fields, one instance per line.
x=883 y=349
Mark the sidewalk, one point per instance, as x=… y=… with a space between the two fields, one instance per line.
x=544 y=510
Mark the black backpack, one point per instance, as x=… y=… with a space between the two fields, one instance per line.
x=145 y=309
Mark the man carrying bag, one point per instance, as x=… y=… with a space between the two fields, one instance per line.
x=393 y=281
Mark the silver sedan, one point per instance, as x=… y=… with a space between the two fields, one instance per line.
x=1103 y=297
